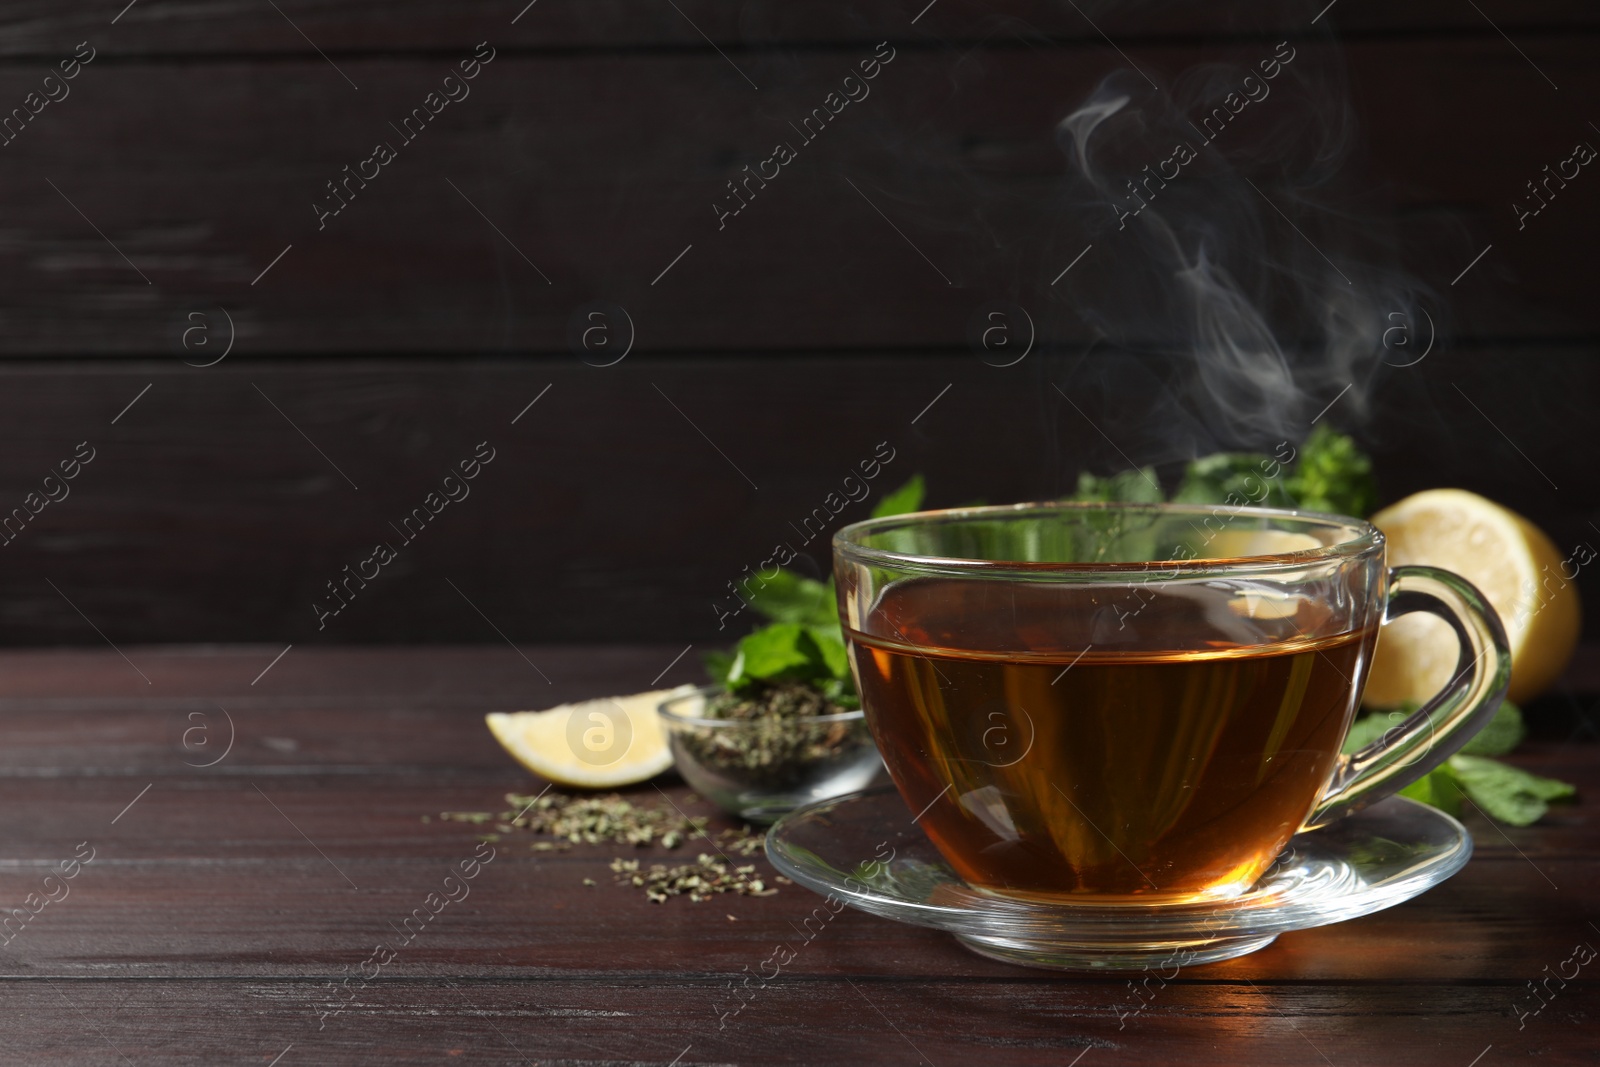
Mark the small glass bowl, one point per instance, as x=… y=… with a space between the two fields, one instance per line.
x=759 y=769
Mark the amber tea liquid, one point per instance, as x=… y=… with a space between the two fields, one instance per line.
x=1119 y=742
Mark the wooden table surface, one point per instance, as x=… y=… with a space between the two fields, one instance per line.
x=223 y=905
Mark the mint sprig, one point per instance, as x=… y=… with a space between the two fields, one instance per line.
x=802 y=641
x=902 y=501
x=790 y=597
x=1508 y=794
x=1327 y=473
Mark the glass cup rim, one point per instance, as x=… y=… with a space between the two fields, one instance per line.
x=670 y=714
x=1364 y=538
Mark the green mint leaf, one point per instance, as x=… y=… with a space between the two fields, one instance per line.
x=1127 y=487
x=842 y=691
x=791 y=597
x=1507 y=793
x=1233 y=478
x=1438 y=788
x=905 y=499
x=830 y=644
x=1332 y=474
x=1365 y=731
x=719 y=665
x=788 y=652
x=783 y=650
x=1503 y=733
x=736 y=678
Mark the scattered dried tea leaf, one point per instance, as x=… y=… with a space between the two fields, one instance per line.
x=477 y=818
x=742 y=840
x=698 y=881
x=589 y=820
x=610 y=819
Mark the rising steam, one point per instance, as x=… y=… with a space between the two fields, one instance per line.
x=1215 y=212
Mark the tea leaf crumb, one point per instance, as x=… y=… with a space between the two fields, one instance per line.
x=566 y=820
x=699 y=881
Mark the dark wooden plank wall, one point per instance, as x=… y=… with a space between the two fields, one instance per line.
x=770 y=359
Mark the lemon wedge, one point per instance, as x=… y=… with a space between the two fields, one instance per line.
x=593 y=744
x=1512 y=563
x=1238 y=544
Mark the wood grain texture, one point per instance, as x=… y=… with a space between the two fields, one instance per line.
x=212 y=927
x=621 y=504
x=340 y=27
x=163 y=211
x=569 y=178
x=669 y=1020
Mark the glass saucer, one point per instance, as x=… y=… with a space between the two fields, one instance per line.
x=863 y=850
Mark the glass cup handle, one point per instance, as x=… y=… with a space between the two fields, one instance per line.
x=1446 y=722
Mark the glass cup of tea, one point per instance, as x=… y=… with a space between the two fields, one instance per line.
x=1127 y=703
